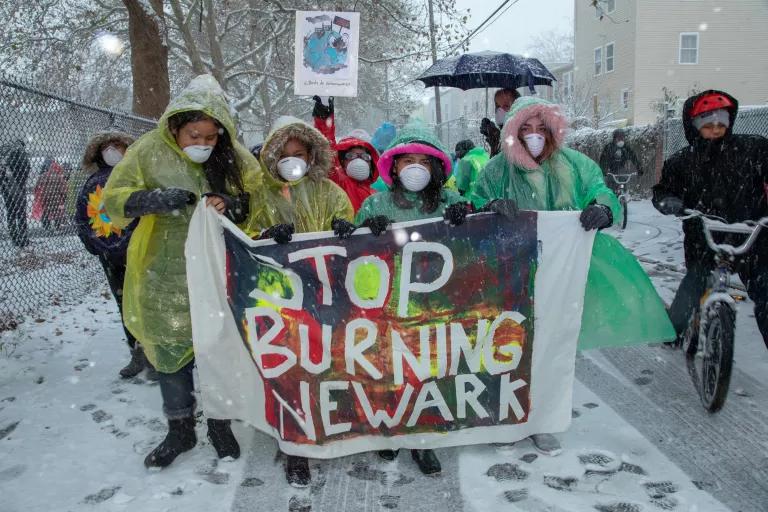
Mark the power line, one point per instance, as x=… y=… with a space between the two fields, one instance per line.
x=483 y=25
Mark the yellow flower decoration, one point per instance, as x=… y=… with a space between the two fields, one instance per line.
x=100 y=222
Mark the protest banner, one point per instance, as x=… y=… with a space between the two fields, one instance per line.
x=326 y=59
x=427 y=336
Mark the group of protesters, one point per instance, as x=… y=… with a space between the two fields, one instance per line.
x=134 y=211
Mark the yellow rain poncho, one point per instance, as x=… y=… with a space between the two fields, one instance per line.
x=310 y=203
x=155 y=300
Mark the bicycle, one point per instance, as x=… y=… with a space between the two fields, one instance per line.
x=709 y=338
x=622 y=180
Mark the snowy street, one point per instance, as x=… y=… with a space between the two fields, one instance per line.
x=73 y=435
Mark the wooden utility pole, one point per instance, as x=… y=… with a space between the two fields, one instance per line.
x=433 y=44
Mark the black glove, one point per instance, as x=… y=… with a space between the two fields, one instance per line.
x=670 y=205
x=456 y=213
x=236 y=207
x=321 y=110
x=377 y=224
x=146 y=202
x=280 y=233
x=596 y=216
x=342 y=228
x=506 y=207
x=487 y=126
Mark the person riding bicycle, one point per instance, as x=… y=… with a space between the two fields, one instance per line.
x=616 y=159
x=719 y=174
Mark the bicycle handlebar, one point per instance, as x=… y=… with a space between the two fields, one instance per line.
x=713 y=224
x=625 y=178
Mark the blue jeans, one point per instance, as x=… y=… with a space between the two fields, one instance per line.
x=178 y=391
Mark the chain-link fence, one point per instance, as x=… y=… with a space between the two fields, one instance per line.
x=42 y=140
x=752 y=120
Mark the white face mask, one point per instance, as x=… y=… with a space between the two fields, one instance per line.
x=414 y=177
x=111 y=156
x=500 y=115
x=358 y=169
x=291 y=168
x=620 y=143
x=535 y=143
x=198 y=153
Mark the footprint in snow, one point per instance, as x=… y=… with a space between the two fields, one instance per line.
x=102 y=495
x=529 y=457
x=100 y=416
x=506 y=472
x=665 y=502
x=8 y=429
x=515 y=495
x=566 y=484
x=12 y=472
x=619 y=506
x=252 y=482
x=660 y=489
x=389 y=501
x=299 y=504
x=626 y=467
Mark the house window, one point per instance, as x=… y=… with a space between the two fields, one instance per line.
x=598 y=60
x=567 y=84
x=609 y=57
x=689 y=48
x=603 y=7
x=625 y=94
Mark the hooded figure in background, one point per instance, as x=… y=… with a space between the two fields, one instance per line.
x=382 y=138
x=535 y=171
x=470 y=162
x=95 y=229
x=14 y=172
x=617 y=157
x=720 y=174
x=50 y=195
x=192 y=155
x=503 y=99
x=297 y=196
x=354 y=160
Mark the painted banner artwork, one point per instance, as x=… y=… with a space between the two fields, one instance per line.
x=326 y=60
x=429 y=335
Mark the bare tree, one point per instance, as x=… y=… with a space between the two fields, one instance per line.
x=552 y=46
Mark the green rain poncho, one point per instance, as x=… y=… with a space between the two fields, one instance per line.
x=155 y=300
x=310 y=203
x=410 y=139
x=469 y=168
x=620 y=304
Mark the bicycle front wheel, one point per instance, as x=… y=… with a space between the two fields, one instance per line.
x=623 y=202
x=717 y=355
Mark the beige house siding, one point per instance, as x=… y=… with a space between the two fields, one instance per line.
x=733 y=50
x=590 y=32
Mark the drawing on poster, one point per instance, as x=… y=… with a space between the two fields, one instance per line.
x=326 y=44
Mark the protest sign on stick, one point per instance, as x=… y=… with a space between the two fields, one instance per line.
x=326 y=59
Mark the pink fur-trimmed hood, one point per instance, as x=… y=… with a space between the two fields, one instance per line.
x=522 y=110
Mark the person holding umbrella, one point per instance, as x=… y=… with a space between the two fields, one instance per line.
x=491 y=130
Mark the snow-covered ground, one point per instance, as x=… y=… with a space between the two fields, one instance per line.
x=73 y=435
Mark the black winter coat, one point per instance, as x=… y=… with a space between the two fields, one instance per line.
x=112 y=246
x=726 y=177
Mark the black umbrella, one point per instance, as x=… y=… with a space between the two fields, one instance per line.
x=487 y=69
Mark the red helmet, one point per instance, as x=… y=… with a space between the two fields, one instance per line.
x=710 y=102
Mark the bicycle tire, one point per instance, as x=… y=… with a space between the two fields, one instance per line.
x=717 y=360
x=624 y=213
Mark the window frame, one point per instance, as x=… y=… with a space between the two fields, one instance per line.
x=612 y=44
x=680 y=48
x=628 y=92
x=567 y=84
x=602 y=8
x=595 y=63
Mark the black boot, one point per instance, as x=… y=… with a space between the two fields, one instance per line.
x=151 y=374
x=389 y=455
x=222 y=438
x=180 y=438
x=297 y=471
x=427 y=461
x=138 y=363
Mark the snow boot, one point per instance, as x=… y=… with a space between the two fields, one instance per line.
x=389 y=455
x=138 y=362
x=297 y=472
x=427 y=461
x=547 y=444
x=151 y=374
x=180 y=438
x=222 y=438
